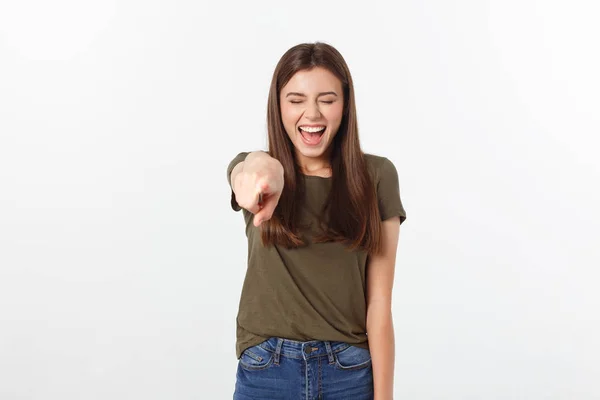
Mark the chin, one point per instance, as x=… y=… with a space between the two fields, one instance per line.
x=308 y=152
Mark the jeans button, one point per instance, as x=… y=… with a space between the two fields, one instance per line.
x=307 y=350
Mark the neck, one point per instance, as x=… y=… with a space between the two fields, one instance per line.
x=312 y=165
x=310 y=168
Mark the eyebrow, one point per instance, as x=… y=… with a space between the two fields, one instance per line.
x=303 y=95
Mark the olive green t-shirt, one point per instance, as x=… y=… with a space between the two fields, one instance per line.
x=316 y=292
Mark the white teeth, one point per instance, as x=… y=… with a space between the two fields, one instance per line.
x=312 y=129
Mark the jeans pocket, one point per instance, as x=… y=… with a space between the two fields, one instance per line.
x=353 y=357
x=256 y=358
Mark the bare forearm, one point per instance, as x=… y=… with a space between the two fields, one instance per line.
x=380 y=330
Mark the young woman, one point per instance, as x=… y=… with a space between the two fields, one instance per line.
x=322 y=221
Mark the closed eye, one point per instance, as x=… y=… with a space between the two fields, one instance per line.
x=323 y=101
x=300 y=101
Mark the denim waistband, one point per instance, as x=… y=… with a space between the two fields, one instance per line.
x=303 y=350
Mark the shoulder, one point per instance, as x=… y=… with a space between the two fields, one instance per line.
x=374 y=159
x=379 y=166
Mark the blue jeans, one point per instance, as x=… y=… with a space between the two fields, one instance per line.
x=286 y=369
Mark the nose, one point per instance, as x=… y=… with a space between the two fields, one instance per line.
x=312 y=111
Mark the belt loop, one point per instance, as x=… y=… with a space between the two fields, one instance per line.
x=278 y=350
x=329 y=351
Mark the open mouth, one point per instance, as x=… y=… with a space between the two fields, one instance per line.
x=312 y=135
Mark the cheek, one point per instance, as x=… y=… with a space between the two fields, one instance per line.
x=288 y=121
x=335 y=113
x=289 y=115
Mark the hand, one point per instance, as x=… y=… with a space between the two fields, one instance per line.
x=258 y=185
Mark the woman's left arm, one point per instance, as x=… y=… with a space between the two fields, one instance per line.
x=380 y=328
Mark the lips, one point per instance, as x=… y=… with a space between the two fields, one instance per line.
x=312 y=128
x=312 y=138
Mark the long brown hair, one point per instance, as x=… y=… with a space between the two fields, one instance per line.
x=350 y=214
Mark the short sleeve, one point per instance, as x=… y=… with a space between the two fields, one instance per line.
x=388 y=192
x=236 y=160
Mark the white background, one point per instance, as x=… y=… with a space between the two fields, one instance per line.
x=121 y=262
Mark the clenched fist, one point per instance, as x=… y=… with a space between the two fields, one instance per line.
x=257 y=183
